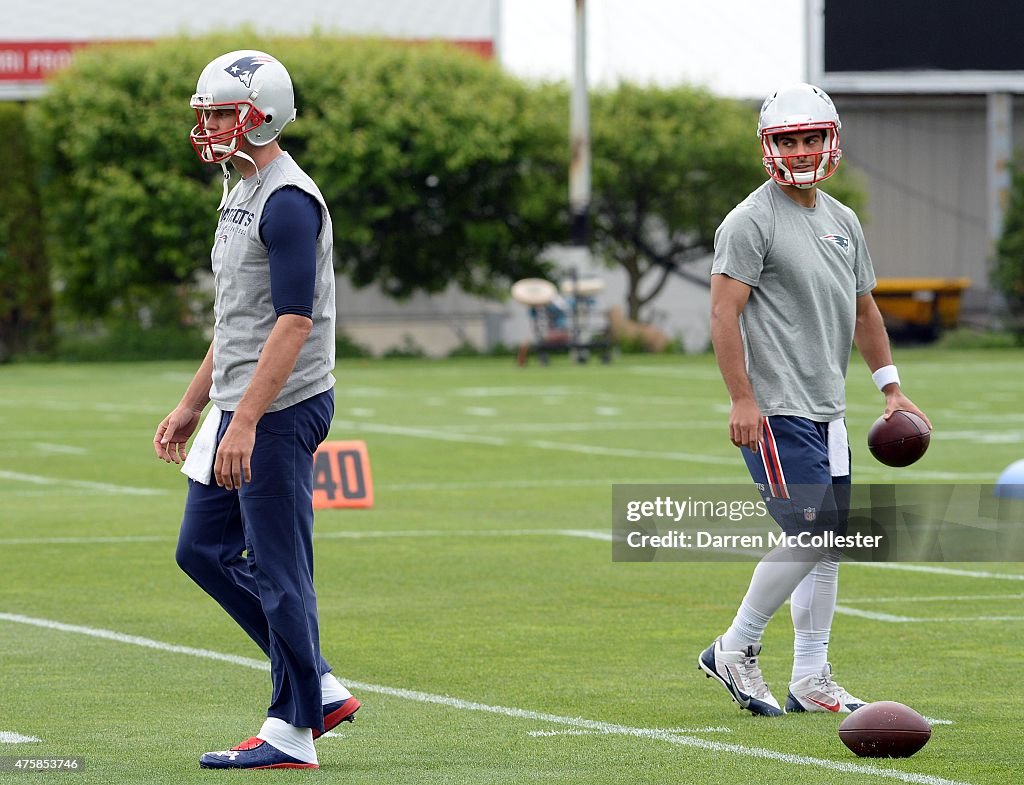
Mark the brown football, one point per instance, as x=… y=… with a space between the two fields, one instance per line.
x=885 y=729
x=900 y=440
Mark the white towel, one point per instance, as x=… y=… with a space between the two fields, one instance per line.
x=838 y=448
x=199 y=461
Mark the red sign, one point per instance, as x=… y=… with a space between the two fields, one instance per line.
x=33 y=61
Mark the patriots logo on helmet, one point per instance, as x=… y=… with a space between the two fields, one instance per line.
x=244 y=68
x=843 y=243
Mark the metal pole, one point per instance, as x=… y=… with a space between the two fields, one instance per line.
x=496 y=30
x=579 y=131
x=579 y=167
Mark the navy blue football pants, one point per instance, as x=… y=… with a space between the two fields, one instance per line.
x=252 y=551
x=795 y=469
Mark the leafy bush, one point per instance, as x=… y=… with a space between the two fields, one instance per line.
x=26 y=305
x=434 y=165
x=127 y=341
x=1008 y=273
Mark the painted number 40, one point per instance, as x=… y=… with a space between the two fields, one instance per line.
x=341 y=475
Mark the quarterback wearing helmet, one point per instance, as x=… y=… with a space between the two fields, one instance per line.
x=247 y=531
x=797 y=110
x=791 y=290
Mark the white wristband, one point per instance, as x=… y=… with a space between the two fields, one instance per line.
x=885 y=375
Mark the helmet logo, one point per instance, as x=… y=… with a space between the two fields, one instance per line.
x=244 y=68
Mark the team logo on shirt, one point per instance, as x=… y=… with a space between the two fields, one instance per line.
x=810 y=514
x=843 y=243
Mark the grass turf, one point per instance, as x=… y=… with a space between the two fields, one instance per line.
x=463 y=583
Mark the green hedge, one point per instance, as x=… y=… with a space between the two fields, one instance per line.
x=434 y=165
x=1008 y=273
x=26 y=305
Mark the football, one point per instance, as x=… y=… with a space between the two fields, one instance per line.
x=899 y=441
x=885 y=729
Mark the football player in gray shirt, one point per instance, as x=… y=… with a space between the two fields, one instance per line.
x=247 y=537
x=791 y=290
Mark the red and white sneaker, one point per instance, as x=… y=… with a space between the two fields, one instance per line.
x=337 y=713
x=819 y=692
x=253 y=753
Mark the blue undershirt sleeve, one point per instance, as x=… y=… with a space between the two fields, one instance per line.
x=289 y=227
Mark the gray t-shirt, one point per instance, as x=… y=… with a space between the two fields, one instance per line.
x=243 y=308
x=806 y=267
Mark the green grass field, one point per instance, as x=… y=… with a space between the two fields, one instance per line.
x=475 y=609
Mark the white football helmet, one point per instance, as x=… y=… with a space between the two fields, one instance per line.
x=802 y=107
x=256 y=87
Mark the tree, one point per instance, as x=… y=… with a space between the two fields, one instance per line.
x=1008 y=273
x=436 y=168
x=26 y=305
x=668 y=165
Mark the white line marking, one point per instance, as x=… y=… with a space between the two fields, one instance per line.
x=507 y=711
x=80 y=406
x=888 y=617
x=983 y=437
x=933 y=721
x=587 y=534
x=481 y=411
x=586 y=427
x=1004 y=576
x=60 y=449
x=937 y=598
x=10 y=737
x=497 y=441
x=873 y=615
x=421 y=433
x=56 y=482
x=512 y=392
x=577 y=732
x=84 y=540
x=620 y=452
x=885 y=476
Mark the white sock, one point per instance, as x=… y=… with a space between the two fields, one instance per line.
x=746 y=629
x=332 y=690
x=774 y=579
x=812 y=606
x=297 y=742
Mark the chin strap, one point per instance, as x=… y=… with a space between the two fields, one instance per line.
x=227 y=178
x=224 y=192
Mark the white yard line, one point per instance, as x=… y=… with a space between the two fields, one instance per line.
x=587 y=534
x=939 y=598
x=10 y=737
x=889 y=617
x=60 y=449
x=625 y=452
x=58 y=482
x=581 y=723
x=934 y=570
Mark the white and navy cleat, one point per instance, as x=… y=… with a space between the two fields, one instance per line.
x=819 y=692
x=740 y=674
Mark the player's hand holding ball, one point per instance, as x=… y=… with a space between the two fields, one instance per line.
x=901 y=439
